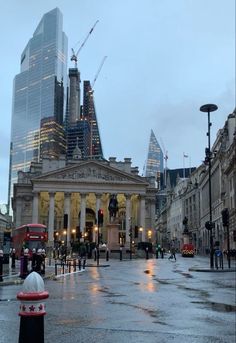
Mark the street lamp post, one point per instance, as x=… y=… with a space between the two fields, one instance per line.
x=96 y=229
x=141 y=233
x=208 y=108
x=65 y=243
x=130 y=243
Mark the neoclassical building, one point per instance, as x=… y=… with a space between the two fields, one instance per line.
x=190 y=198
x=67 y=195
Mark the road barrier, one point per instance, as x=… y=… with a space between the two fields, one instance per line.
x=69 y=266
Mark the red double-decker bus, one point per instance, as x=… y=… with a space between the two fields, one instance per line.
x=29 y=236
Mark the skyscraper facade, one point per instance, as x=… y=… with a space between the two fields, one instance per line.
x=89 y=114
x=154 y=164
x=39 y=97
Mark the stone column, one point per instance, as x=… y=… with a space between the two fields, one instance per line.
x=82 y=212
x=98 y=204
x=51 y=219
x=127 y=217
x=67 y=203
x=18 y=211
x=35 y=214
x=142 y=217
x=153 y=212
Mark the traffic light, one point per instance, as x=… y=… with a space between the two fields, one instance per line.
x=225 y=217
x=100 y=217
x=209 y=225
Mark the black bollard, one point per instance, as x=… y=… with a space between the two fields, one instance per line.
x=162 y=253
x=79 y=263
x=95 y=254
x=1 y=264
x=32 y=309
x=13 y=258
x=84 y=262
x=55 y=269
x=120 y=254
x=38 y=261
x=156 y=252
x=24 y=264
x=43 y=261
x=74 y=265
x=107 y=255
x=147 y=257
x=33 y=260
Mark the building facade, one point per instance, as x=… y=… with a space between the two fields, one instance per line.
x=190 y=198
x=39 y=94
x=54 y=188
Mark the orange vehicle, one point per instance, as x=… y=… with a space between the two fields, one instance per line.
x=187 y=250
x=29 y=236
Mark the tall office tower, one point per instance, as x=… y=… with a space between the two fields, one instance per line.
x=77 y=129
x=154 y=165
x=89 y=114
x=39 y=97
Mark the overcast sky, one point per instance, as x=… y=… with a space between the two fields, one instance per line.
x=166 y=58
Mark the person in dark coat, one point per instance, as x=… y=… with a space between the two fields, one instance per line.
x=172 y=253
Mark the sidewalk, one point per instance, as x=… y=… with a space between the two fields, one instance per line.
x=12 y=276
x=202 y=264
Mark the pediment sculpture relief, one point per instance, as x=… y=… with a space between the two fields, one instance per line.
x=91 y=173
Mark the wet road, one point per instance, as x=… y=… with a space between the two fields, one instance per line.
x=133 y=301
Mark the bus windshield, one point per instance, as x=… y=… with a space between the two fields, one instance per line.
x=36 y=229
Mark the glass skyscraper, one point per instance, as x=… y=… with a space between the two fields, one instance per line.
x=154 y=165
x=39 y=97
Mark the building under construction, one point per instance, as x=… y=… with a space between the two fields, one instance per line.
x=89 y=114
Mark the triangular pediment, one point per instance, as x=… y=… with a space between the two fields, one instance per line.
x=91 y=171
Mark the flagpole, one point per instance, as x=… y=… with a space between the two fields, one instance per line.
x=183 y=166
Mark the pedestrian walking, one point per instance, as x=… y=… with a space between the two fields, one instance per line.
x=39 y=261
x=172 y=254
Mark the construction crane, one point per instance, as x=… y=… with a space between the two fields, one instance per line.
x=75 y=55
x=96 y=76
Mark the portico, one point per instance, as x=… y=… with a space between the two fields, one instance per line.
x=70 y=197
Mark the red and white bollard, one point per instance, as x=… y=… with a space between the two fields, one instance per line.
x=32 y=309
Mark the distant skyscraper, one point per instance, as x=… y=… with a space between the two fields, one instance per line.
x=39 y=97
x=89 y=114
x=77 y=128
x=154 y=165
